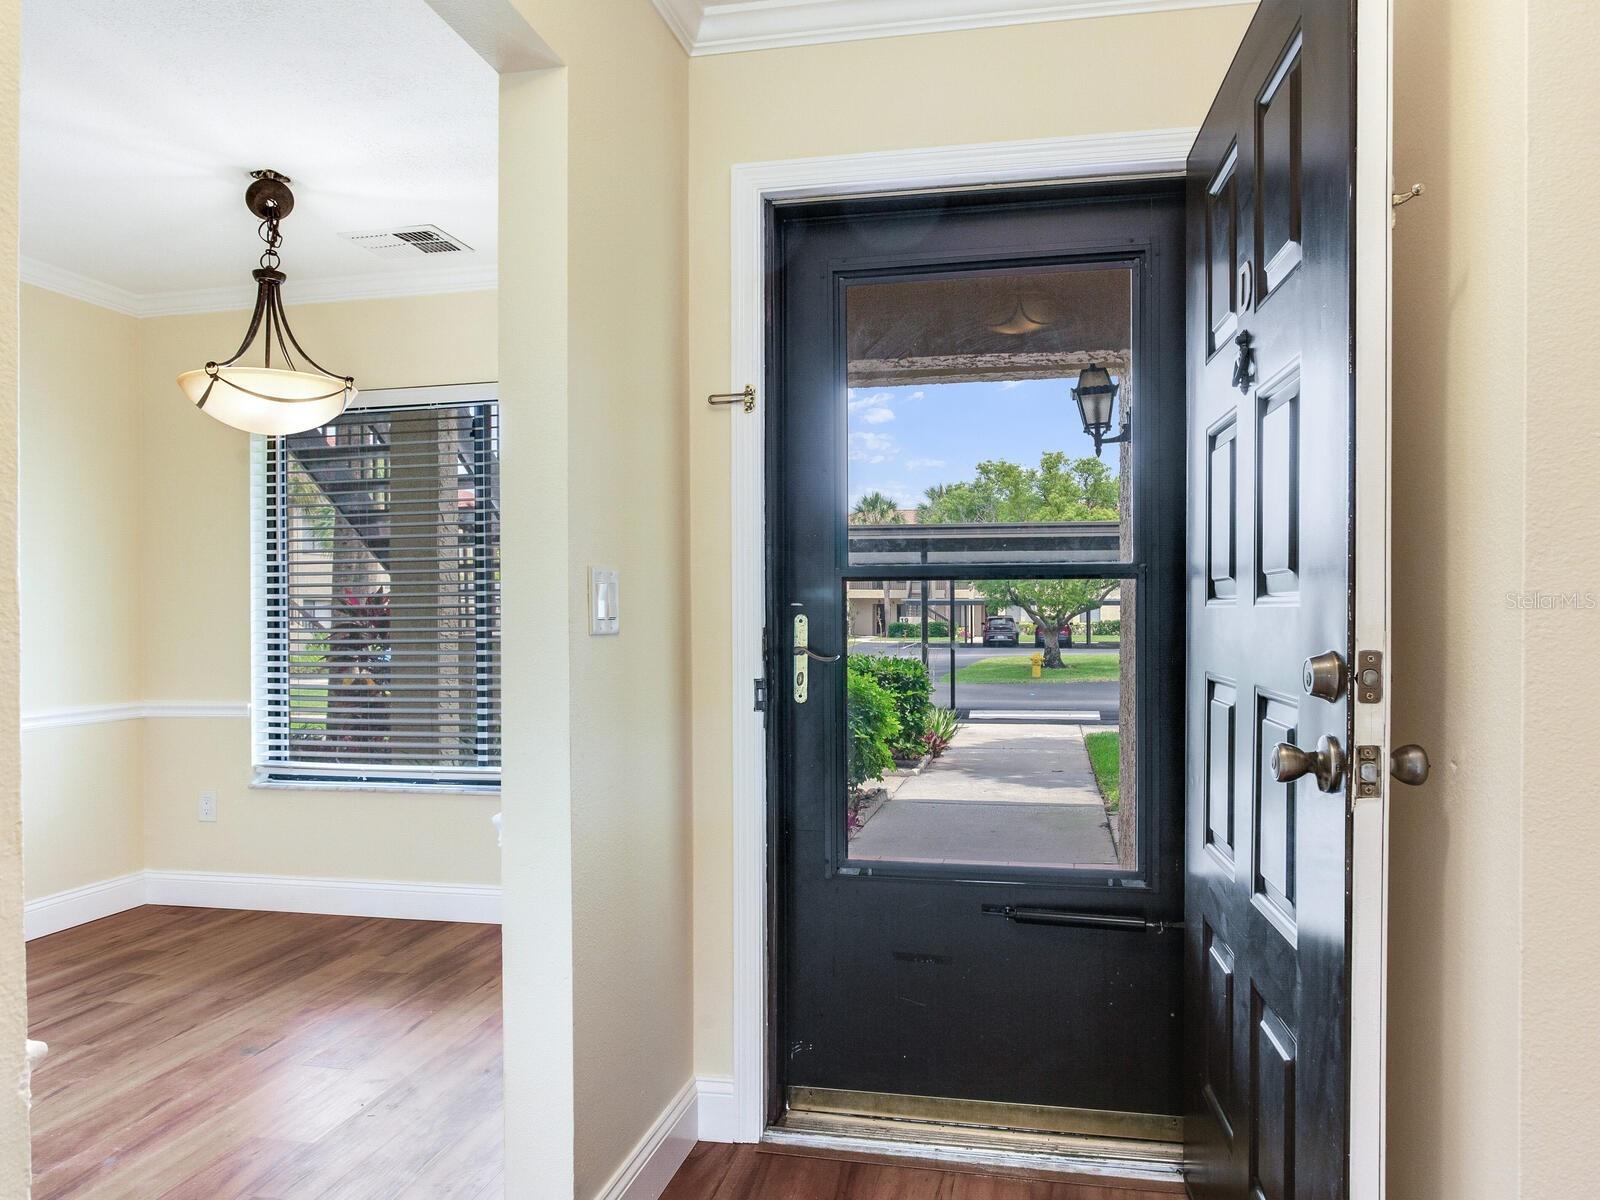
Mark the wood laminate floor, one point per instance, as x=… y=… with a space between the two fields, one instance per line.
x=199 y=1054
x=720 y=1172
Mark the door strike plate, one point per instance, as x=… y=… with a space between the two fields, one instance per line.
x=1369 y=772
x=1369 y=676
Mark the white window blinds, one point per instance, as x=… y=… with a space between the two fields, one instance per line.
x=378 y=598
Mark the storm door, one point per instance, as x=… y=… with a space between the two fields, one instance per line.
x=976 y=635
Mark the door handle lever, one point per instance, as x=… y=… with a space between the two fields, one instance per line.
x=815 y=657
x=1326 y=763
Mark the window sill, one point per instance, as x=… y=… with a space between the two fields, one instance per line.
x=267 y=784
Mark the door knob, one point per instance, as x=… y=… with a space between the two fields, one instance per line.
x=1409 y=764
x=1326 y=763
x=1324 y=675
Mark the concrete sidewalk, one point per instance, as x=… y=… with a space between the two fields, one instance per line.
x=1007 y=794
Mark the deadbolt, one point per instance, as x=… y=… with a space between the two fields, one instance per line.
x=1409 y=764
x=1326 y=763
x=1324 y=675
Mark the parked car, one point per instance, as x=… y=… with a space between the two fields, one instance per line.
x=1063 y=636
x=999 y=631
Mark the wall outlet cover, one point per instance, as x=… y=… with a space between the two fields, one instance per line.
x=208 y=806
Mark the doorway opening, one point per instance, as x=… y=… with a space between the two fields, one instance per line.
x=976 y=523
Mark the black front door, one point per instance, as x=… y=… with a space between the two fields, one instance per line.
x=1270 y=547
x=976 y=904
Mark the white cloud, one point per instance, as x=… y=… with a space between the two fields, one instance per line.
x=872 y=447
x=877 y=416
x=923 y=464
x=1008 y=384
x=861 y=403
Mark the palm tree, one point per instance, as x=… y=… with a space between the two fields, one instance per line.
x=876 y=509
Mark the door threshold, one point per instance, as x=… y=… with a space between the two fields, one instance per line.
x=1055 y=1157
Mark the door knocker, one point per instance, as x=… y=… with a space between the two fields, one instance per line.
x=1244 y=369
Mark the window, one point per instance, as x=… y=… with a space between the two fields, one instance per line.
x=377 y=595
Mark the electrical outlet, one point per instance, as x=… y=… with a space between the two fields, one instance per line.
x=208 y=806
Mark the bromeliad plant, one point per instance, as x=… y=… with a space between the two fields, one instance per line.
x=941 y=729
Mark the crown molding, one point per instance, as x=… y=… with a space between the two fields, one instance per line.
x=683 y=18
x=79 y=287
x=390 y=285
x=740 y=25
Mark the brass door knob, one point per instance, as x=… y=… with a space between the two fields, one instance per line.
x=1409 y=764
x=1325 y=763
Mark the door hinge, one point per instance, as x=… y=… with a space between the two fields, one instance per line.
x=1369 y=676
x=1369 y=772
x=761 y=695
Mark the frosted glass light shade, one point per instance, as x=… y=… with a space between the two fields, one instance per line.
x=300 y=400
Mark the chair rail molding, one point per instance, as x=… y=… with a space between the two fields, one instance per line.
x=98 y=714
x=731 y=26
x=1141 y=153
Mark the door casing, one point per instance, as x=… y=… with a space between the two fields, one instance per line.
x=736 y=1109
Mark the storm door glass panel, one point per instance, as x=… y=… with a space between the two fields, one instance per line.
x=965 y=442
x=990 y=723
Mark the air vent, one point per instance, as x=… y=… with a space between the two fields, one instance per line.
x=408 y=242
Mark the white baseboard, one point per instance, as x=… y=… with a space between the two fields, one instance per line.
x=719 y=1119
x=267 y=893
x=334 y=897
x=80 y=905
x=659 y=1154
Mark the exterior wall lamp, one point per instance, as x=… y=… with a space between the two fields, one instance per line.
x=1096 y=395
x=298 y=394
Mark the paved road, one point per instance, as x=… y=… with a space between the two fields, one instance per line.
x=1008 y=793
x=1099 y=698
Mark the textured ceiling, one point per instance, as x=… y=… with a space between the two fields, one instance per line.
x=142 y=118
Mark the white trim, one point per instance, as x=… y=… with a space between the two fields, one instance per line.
x=659 y=1154
x=482 y=392
x=80 y=905
x=1369 y=900
x=718 y=1117
x=98 y=714
x=387 y=286
x=79 y=287
x=333 y=897
x=683 y=18
x=729 y=28
x=468 y=903
x=1146 y=152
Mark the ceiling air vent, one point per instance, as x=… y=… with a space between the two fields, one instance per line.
x=408 y=242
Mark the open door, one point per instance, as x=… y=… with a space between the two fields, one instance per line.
x=1286 y=750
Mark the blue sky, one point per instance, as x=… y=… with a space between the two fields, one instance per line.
x=905 y=439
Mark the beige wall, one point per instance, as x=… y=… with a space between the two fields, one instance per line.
x=80 y=540
x=1460 y=490
x=194 y=486
x=597 y=865
x=1560 y=1093
x=13 y=995
x=895 y=93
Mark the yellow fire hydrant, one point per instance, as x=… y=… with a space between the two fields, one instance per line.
x=1038 y=665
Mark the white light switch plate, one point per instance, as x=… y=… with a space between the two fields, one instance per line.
x=605 y=605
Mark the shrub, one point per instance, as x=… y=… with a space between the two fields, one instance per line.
x=913 y=629
x=872 y=725
x=1108 y=629
x=907 y=682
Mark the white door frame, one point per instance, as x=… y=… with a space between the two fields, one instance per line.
x=1144 y=153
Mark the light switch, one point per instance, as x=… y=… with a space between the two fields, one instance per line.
x=604 y=602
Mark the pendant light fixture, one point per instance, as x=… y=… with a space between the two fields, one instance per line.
x=296 y=393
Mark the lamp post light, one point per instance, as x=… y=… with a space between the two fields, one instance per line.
x=1096 y=395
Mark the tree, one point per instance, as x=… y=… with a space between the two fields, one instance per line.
x=1005 y=493
x=876 y=509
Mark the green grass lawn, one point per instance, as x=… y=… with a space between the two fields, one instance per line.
x=1079 y=668
x=1105 y=758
